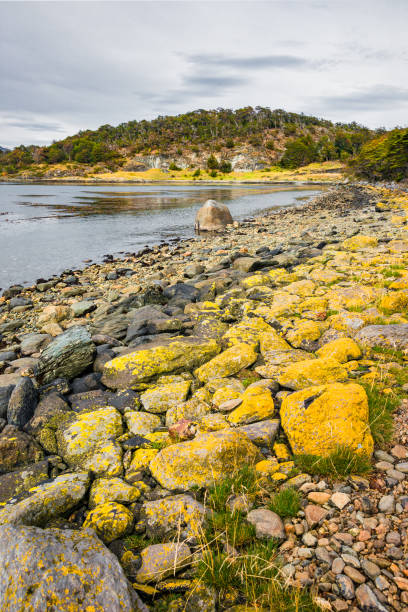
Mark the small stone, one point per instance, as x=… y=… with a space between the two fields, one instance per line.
x=354 y=574
x=267 y=523
x=395 y=553
x=22 y=403
x=402 y=467
x=386 y=504
x=399 y=452
x=339 y=605
x=395 y=475
x=367 y=601
x=402 y=583
x=370 y=569
x=383 y=466
x=381 y=583
x=309 y=539
x=162 y=560
x=337 y=566
x=350 y=560
x=322 y=554
x=346 y=586
x=340 y=500
x=383 y=456
x=305 y=553
x=314 y=514
x=393 y=537
x=318 y=498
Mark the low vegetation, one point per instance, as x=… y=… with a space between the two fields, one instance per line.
x=285 y=503
x=341 y=462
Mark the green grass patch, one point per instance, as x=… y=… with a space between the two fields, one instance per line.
x=139 y=541
x=341 y=462
x=243 y=482
x=255 y=577
x=285 y=503
x=393 y=354
x=356 y=308
x=381 y=408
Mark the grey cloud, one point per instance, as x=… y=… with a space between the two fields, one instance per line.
x=249 y=63
x=218 y=82
x=39 y=126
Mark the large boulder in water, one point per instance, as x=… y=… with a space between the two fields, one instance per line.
x=61 y=570
x=212 y=217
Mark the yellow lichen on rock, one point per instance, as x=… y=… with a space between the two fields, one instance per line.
x=272 y=341
x=249 y=331
x=355 y=243
x=255 y=281
x=183 y=354
x=203 y=460
x=319 y=419
x=110 y=521
x=394 y=301
x=303 y=332
x=161 y=398
x=257 y=405
x=342 y=349
x=303 y=374
x=105 y=490
x=142 y=458
x=228 y=362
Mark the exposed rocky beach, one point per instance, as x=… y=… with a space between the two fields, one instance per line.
x=150 y=404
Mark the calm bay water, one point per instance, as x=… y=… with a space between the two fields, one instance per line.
x=45 y=229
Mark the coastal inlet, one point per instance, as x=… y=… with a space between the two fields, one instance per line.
x=45 y=229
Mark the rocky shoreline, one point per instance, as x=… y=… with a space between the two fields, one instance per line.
x=129 y=388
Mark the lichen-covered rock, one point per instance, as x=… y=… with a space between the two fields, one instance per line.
x=257 y=405
x=178 y=515
x=225 y=394
x=47 y=500
x=312 y=372
x=62 y=570
x=342 y=349
x=203 y=460
x=22 y=480
x=394 y=301
x=85 y=441
x=105 y=490
x=110 y=521
x=160 y=399
x=142 y=458
x=162 y=560
x=271 y=341
x=183 y=354
x=67 y=356
x=355 y=243
x=17 y=449
x=386 y=336
x=228 y=362
x=304 y=333
x=141 y=423
x=249 y=331
x=318 y=419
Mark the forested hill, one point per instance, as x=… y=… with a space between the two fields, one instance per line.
x=223 y=138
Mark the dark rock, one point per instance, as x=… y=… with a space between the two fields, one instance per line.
x=17 y=449
x=89 y=382
x=19 y=301
x=193 y=269
x=247 y=264
x=15 y=483
x=5 y=394
x=140 y=321
x=114 y=325
x=181 y=291
x=99 y=339
x=95 y=581
x=68 y=355
x=50 y=407
x=22 y=403
x=59 y=385
x=12 y=291
x=10 y=326
x=135 y=442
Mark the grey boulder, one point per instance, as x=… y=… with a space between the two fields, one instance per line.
x=61 y=570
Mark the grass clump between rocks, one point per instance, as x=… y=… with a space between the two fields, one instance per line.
x=286 y=502
x=381 y=408
x=343 y=461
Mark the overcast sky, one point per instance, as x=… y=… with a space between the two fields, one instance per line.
x=67 y=66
